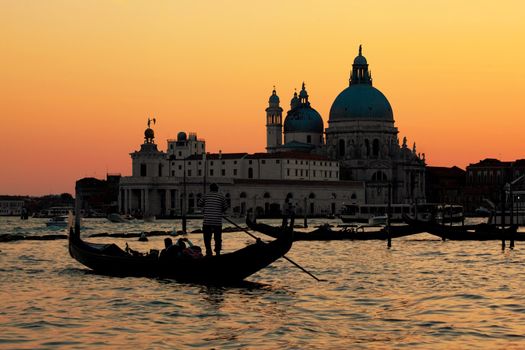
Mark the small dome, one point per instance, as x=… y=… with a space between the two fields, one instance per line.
x=360 y=60
x=181 y=136
x=149 y=134
x=303 y=119
x=361 y=102
x=274 y=98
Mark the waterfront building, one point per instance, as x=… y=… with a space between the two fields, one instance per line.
x=361 y=135
x=170 y=183
x=445 y=185
x=486 y=180
x=11 y=205
x=358 y=159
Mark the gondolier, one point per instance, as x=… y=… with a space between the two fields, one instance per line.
x=214 y=205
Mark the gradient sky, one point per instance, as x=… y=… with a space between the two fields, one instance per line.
x=80 y=78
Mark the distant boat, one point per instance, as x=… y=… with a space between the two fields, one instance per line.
x=57 y=221
x=117 y=218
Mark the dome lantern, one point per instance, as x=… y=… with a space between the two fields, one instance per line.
x=360 y=74
x=361 y=101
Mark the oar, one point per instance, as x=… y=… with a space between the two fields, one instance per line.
x=284 y=256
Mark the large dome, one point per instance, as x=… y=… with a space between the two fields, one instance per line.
x=303 y=119
x=361 y=102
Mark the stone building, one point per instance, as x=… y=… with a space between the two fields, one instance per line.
x=357 y=159
x=361 y=135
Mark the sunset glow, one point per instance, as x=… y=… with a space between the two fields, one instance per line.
x=80 y=78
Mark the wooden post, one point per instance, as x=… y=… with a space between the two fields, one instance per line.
x=388 y=214
x=183 y=208
x=305 y=212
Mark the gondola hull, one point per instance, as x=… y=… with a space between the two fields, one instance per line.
x=326 y=234
x=481 y=232
x=227 y=268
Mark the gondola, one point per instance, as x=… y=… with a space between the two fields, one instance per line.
x=228 y=268
x=479 y=232
x=326 y=234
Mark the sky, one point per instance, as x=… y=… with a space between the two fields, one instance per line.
x=79 y=79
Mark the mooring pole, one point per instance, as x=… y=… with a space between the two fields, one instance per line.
x=388 y=214
x=305 y=212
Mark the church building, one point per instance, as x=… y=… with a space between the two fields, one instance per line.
x=357 y=159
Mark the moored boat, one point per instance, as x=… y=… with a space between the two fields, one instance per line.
x=57 y=221
x=325 y=233
x=228 y=268
x=479 y=232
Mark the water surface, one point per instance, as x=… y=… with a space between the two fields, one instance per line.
x=422 y=293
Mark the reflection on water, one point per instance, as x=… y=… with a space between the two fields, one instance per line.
x=423 y=293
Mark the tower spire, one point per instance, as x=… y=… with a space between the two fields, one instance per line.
x=360 y=50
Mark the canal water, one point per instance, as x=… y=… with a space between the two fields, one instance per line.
x=422 y=293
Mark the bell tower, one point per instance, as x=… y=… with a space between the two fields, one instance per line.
x=274 y=123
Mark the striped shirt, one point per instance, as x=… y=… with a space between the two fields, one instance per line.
x=214 y=205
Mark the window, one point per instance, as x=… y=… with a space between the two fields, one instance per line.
x=306 y=173
x=235 y=172
x=189 y=163
x=160 y=170
x=143 y=170
x=301 y=172
x=296 y=172
x=314 y=173
x=189 y=172
x=180 y=154
x=171 y=145
x=250 y=161
x=287 y=172
x=341 y=148
x=223 y=162
x=211 y=163
x=263 y=161
x=309 y=139
x=223 y=172
x=180 y=167
x=277 y=161
x=250 y=173
x=234 y=162
x=173 y=173
x=199 y=172
x=375 y=148
x=211 y=172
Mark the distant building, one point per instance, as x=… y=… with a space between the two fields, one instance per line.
x=487 y=178
x=99 y=197
x=12 y=205
x=445 y=185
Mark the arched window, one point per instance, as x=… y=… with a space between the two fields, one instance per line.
x=375 y=147
x=341 y=148
x=367 y=146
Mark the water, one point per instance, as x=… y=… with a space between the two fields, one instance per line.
x=423 y=293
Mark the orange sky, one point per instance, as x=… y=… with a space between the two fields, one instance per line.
x=80 y=78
